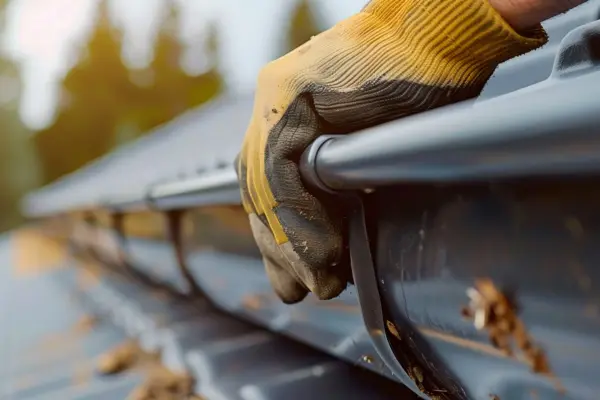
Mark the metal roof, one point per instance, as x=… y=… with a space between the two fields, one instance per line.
x=203 y=139
x=49 y=355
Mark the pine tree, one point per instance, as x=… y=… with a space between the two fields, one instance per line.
x=97 y=93
x=208 y=84
x=302 y=26
x=173 y=91
x=102 y=107
x=166 y=97
x=18 y=166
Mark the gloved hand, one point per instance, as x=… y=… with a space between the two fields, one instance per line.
x=393 y=59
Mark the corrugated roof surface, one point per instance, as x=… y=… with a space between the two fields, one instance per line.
x=46 y=350
x=230 y=358
x=49 y=354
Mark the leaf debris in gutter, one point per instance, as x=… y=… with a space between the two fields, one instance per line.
x=160 y=383
x=492 y=310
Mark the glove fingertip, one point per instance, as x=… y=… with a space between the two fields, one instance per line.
x=330 y=289
x=292 y=298
x=289 y=290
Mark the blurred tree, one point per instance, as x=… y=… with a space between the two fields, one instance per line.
x=302 y=26
x=173 y=91
x=164 y=97
x=18 y=166
x=104 y=104
x=96 y=94
x=209 y=83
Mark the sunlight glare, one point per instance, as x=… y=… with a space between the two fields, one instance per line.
x=38 y=28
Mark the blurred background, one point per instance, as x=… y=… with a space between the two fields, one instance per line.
x=79 y=78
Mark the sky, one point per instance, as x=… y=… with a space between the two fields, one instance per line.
x=42 y=36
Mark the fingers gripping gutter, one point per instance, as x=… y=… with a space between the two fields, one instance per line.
x=304 y=256
x=392 y=60
x=287 y=287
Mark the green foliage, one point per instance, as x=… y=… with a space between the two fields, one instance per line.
x=302 y=25
x=104 y=104
x=172 y=90
x=95 y=93
x=18 y=166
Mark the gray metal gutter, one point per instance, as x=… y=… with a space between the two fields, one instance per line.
x=552 y=130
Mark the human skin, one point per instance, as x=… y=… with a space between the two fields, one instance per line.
x=524 y=14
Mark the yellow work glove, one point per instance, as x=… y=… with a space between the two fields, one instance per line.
x=394 y=58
